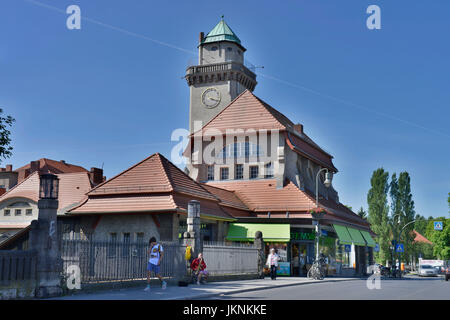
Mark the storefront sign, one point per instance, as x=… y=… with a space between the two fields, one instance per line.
x=302 y=236
x=284 y=269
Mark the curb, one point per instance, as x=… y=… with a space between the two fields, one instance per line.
x=208 y=295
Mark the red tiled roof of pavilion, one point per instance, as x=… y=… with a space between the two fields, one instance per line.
x=152 y=185
x=50 y=166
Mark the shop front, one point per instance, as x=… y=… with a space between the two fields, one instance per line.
x=340 y=246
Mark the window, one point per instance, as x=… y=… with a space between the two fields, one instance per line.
x=210 y=173
x=214 y=48
x=7 y=212
x=140 y=244
x=240 y=150
x=239 y=174
x=254 y=172
x=230 y=49
x=224 y=173
x=18 y=212
x=268 y=170
x=29 y=212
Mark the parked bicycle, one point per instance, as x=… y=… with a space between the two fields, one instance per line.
x=317 y=271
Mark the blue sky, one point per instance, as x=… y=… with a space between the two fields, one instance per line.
x=112 y=93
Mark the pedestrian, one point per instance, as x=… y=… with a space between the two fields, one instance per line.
x=156 y=254
x=198 y=266
x=272 y=262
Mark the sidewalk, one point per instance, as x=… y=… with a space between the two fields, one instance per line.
x=197 y=291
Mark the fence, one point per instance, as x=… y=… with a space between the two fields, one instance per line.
x=226 y=259
x=103 y=261
x=17 y=274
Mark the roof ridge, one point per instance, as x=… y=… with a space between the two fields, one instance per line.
x=187 y=176
x=121 y=173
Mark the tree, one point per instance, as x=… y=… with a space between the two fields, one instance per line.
x=396 y=206
x=407 y=213
x=378 y=212
x=362 y=213
x=5 y=139
x=440 y=238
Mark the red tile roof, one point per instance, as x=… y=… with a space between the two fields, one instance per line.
x=72 y=189
x=420 y=238
x=262 y=196
x=51 y=166
x=153 y=184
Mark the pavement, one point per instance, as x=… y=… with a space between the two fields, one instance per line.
x=194 y=291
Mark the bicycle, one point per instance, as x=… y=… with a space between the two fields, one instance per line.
x=316 y=271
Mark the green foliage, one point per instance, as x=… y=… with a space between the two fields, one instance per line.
x=362 y=213
x=378 y=212
x=440 y=239
x=5 y=140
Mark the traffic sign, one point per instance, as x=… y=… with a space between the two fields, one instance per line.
x=438 y=225
x=377 y=247
x=348 y=248
x=399 y=248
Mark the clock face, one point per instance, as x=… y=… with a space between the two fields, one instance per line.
x=211 y=97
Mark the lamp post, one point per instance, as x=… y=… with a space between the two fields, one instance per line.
x=44 y=239
x=393 y=236
x=319 y=215
x=399 y=237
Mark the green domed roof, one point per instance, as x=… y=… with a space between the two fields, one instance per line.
x=221 y=32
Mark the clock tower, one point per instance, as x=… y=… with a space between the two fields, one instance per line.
x=220 y=75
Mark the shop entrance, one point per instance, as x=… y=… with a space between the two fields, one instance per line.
x=300 y=258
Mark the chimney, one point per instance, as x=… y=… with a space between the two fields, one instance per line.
x=9 y=167
x=298 y=127
x=96 y=175
x=62 y=161
x=202 y=35
x=34 y=166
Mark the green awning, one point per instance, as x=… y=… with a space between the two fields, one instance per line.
x=368 y=238
x=343 y=235
x=357 y=238
x=271 y=232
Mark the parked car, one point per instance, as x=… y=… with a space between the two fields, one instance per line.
x=426 y=270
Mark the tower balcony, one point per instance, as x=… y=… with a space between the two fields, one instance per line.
x=223 y=71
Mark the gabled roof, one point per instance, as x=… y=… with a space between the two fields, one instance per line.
x=221 y=32
x=154 y=174
x=72 y=189
x=247 y=111
x=154 y=185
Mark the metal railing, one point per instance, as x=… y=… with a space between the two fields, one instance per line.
x=230 y=259
x=104 y=261
x=16 y=266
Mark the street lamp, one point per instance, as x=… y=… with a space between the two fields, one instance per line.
x=399 y=237
x=393 y=236
x=317 y=215
x=48 y=186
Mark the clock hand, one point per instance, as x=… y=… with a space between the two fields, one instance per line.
x=213 y=99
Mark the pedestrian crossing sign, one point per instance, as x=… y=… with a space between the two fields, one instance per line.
x=438 y=225
x=399 y=248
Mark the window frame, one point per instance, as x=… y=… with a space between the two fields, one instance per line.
x=222 y=170
x=250 y=169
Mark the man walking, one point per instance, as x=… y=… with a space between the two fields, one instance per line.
x=272 y=262
x=156 y=254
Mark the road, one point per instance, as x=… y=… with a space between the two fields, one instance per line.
x=404 y=289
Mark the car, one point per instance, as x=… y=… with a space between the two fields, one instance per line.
x=426 y=270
